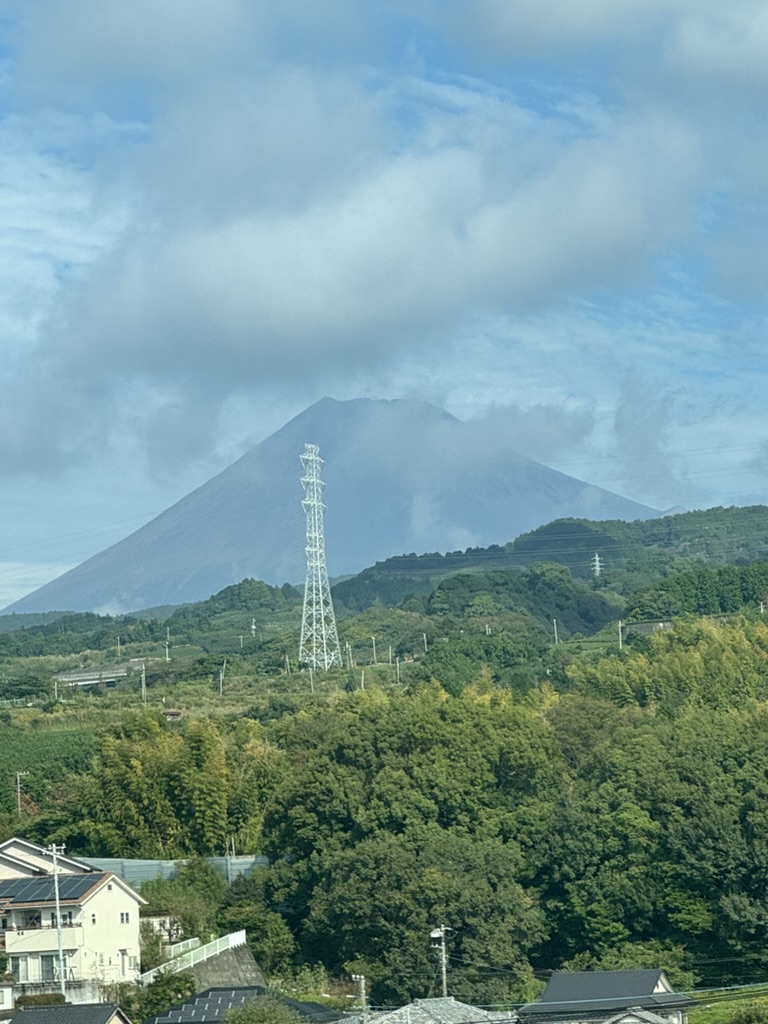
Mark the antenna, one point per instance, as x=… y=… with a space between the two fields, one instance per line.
x=319 y=645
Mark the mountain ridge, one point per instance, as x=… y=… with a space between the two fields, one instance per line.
x=401 y=475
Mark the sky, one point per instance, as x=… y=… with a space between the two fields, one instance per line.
x=548 y=217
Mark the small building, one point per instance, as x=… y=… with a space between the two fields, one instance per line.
x=603 y=996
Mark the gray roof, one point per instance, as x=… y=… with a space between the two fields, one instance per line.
x=87 y=1013
x=212 y=1006
x=443 y=1010
x=575 y=994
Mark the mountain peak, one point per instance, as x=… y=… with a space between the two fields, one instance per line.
x=401 y=475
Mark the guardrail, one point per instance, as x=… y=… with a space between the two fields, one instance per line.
x=195 y=956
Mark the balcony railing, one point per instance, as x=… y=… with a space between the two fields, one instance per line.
x=28 y=926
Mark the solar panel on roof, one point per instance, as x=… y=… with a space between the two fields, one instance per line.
x=42 y=890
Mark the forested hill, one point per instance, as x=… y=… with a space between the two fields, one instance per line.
x=494 y=753
x=633 y=555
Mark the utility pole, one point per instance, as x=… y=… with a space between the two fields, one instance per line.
x=56 y=851
x=18 y=790
x=437 y=935
x=144 y=682
x=621 y=639
x=373 y=641
x=222 y=670
x=554 y=623
x=319 y=644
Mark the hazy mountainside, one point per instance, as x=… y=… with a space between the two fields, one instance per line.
x=400 y=476
x=633 y=555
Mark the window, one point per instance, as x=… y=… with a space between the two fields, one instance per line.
x=19 y=969
x=93 y=919
x=47 y=968
x=125 y=917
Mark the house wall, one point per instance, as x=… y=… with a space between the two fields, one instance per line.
x=101 y=944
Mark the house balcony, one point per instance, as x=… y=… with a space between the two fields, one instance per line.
x=22 y=941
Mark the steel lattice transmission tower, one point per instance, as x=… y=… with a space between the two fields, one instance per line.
x=319 y=646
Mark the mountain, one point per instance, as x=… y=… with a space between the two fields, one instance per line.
x=400 y=476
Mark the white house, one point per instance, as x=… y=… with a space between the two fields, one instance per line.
x=99 y=924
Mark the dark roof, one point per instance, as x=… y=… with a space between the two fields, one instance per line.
x=87 y=1013
x=576 y=994
x=20 y=891
x=212 y=1006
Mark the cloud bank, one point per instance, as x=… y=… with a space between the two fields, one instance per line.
x=549 y=215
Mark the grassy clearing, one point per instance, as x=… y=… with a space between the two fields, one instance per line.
x=719 y=1006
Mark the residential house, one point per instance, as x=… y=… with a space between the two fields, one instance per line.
x=21 y=859
x=91 y=1013
x=603 y=996
x=441 y=1010
x=213 y=1005
x=95 y=939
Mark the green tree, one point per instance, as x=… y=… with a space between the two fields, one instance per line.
x=263 y=1011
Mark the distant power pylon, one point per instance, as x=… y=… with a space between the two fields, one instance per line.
x=319 y=646
x=597 y=564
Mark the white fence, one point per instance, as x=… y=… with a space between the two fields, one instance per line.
x=195 y=956
x=182 y=947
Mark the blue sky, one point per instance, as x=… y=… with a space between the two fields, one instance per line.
x=548 y=217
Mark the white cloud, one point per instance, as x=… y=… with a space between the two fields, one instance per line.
x=212 y=205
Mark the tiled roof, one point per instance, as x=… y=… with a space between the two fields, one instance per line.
x=443 y=1010
x=581 y=993
x=88 y=1013
x=212 y=1006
